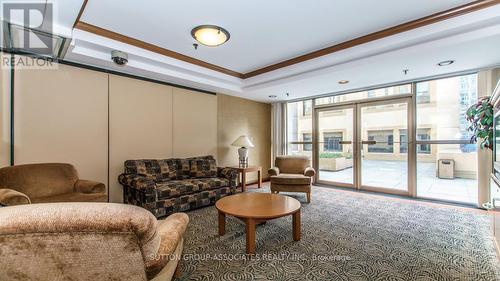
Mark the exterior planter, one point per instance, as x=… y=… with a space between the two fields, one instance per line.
x=335 y=164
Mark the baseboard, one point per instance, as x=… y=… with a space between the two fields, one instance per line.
x=256 y=181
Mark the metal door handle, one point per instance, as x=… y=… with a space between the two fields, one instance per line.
x=368 y=142
x=345 y=142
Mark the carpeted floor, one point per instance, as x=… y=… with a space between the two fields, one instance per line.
x=347 y=236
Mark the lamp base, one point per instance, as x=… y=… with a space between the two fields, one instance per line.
x=243 y=157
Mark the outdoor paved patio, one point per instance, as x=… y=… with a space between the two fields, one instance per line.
x=393 y=174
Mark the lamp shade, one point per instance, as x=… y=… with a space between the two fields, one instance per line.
x=243 y=141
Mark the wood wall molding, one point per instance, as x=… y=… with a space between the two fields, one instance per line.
x=441 y=16
x=153 y=48
x=84 y=4
x=434 y=18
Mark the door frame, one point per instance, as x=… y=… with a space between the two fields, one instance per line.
x=357 y=146
x=316 y=143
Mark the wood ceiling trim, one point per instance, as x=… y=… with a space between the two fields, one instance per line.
x=441 y=16
x=84 y=4
x=434 y=18
x=153 y=48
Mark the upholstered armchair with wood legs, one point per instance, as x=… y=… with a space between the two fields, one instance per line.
x=89 y=241
x=292 y=174
x=45 y=183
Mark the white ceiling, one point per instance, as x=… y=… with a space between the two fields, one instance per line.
x=472 y=40
x=65 y=13
x=263 y=32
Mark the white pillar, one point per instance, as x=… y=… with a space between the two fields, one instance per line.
x=486 y=82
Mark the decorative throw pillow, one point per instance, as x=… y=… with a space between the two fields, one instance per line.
x=168 y=169
x=183 y=169
x=144 y=167
x=203 y=168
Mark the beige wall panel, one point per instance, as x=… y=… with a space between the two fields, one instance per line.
x=140 y=125
x=195 y=123
x=4 y=112
x=62 y=116
x=238 y=117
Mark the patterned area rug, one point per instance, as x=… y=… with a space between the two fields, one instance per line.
x=347 y=236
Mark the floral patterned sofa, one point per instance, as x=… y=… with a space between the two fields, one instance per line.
x=167 y=186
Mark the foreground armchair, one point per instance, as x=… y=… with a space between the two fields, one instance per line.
x=292 y=174
x=48 y=182
x=88 y=241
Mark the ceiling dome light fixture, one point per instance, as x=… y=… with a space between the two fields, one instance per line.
x=210 y=35
x=446 y=62
x=342 y=82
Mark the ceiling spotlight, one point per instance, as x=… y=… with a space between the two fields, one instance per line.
x=446 y=62
x=273 y=96
x=342 y=82
x=210 y=35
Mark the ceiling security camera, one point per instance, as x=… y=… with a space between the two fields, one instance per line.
x=119 y=57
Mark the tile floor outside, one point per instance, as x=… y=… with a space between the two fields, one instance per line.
x=393 y=174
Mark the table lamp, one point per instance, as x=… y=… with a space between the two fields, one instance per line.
x=244 y=143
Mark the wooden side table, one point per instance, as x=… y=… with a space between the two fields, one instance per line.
x=244 y=171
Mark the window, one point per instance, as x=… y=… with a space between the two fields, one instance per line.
x=307 y=108
x=331 y=142
x=422 y=134
x=423 y=95
x=298 y=126
x=374 y=93
x=445 y=116
x=404 y=89
x=307 y=138
x=384 y=139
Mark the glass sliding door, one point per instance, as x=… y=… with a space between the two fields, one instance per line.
x=335 y=145
x=409 y=139
x=446 y=160
x=384 y=141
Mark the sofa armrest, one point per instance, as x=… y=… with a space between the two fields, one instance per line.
x=230 y=174
x=10 y=197
x=137 y=182
x=86 y=186
x=171 y=231
x=274 y=171
x=309 y=172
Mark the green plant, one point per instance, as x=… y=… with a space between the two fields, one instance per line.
x=331 y=155
x=480 y=117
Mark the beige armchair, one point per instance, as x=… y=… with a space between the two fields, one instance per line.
x=88 y=241
x=292 y=174
x=48 y=182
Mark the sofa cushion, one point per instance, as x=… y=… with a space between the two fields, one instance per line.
x=145 y=167
x=290 y=179
x=203 y=168
x=168 y=168
x=184 y=166
x=183 y=169
x=292 y=164
x=175 y=188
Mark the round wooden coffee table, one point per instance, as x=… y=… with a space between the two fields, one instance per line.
x=255 y=208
